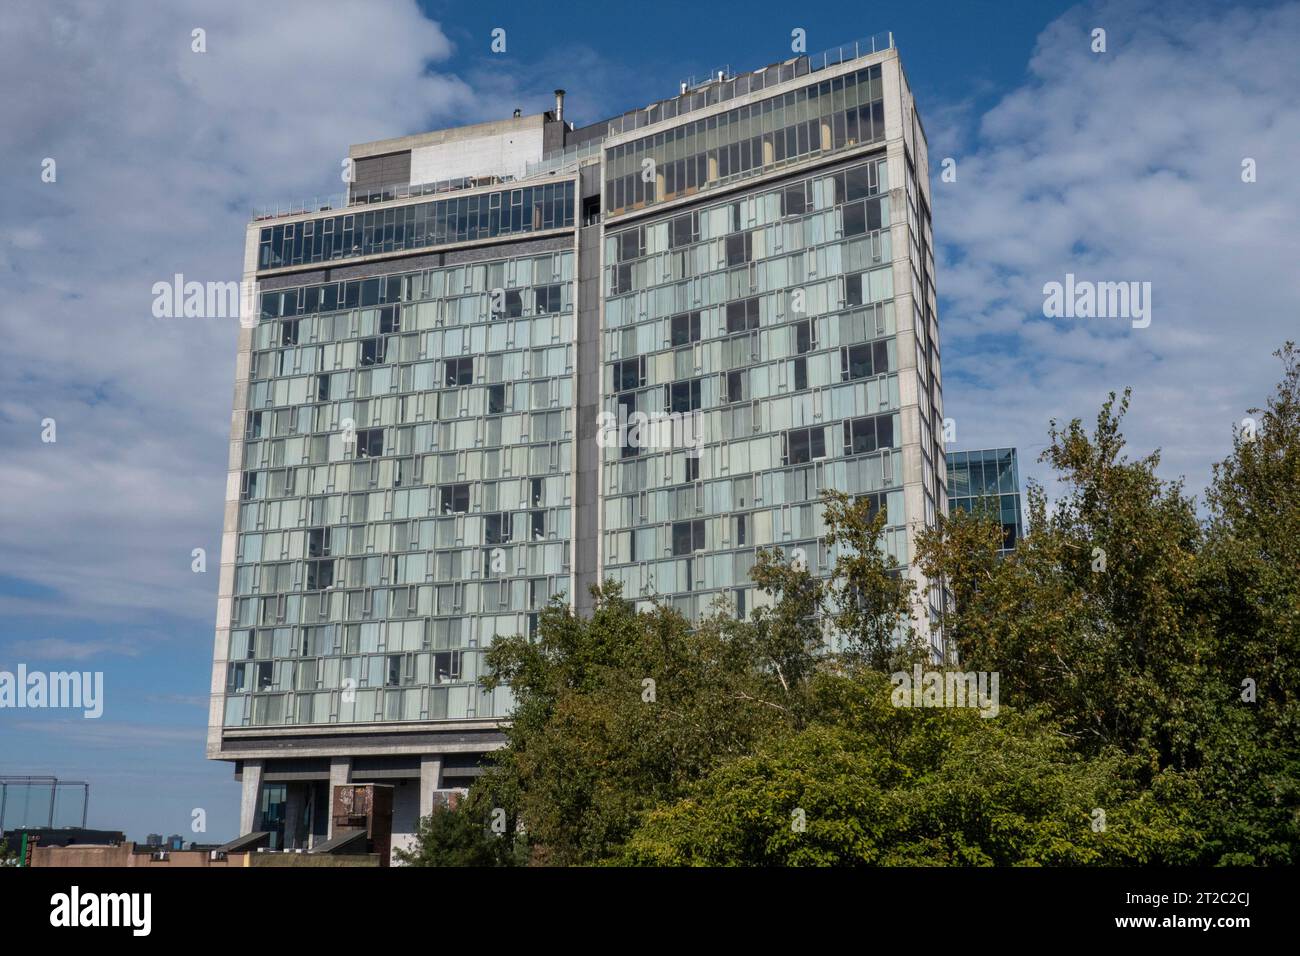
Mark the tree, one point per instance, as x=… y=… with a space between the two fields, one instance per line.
x=620 y=712
x=1090 y=614
x=1147 y=661
x=1248 y=587
x=461 y=836
x=871 y=784
x=871 y=599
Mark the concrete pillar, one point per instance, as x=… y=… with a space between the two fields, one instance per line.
x=250 y=800
x=430 y=780
x=340 y=773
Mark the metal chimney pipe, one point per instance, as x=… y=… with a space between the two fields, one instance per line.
x=559 y=106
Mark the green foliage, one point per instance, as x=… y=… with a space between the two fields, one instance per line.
x=1127 y=630
x=900 y=787
x=462 y=836
x=620 y=712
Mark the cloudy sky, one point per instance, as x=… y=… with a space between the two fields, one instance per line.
x=1117 y=166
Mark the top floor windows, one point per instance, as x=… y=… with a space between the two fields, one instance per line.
x=822 y=117
x=417 y=225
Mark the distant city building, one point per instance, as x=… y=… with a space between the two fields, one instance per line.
x=153 y=839
x=449 y=405
x=988 y=477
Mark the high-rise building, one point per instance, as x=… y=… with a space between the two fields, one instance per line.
x=449 y=407
x=988 y=478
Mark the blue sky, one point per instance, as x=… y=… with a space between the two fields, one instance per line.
x=1118 y=166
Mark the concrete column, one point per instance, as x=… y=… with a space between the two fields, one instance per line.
x=430 y=780
x=250 y=800
x=340 y=773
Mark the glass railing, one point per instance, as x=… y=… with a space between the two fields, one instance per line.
x=375 y=194
x=722 y=87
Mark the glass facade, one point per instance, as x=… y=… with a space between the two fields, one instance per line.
x=487 y=215
x=818 y=118
x=988 y=478
x=407 y=463
x=406 y=490
x=772 y=317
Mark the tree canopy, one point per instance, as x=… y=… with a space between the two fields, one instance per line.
x=1147 y=652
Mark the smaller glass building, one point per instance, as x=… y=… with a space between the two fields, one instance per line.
x=988 y=477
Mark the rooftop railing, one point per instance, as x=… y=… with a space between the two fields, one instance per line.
x=563 y=158
x=372 y=194
x=722 y=86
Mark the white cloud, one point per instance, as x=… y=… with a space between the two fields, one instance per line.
x=1127 y=166
x=161 y=154
x=58 y=648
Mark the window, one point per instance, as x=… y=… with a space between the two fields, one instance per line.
x=372 y=351
x=265 y=675
x=857 y=182
x=548 y=299
x=684 y=396
x=370 y=442
x=742 y=530
x=289 y=332
x=394 y=676
x=496 y=528
x=629 y=373
x=800 y=374
x=496 y=399
x=320 y=574
x=742 y=316
x=688 y=536
x=853 y=289
x=876 y=503
x=855 y=219
x=794 y=200
x=389 y=320
x=738 y=386
x=740 y=248
x=803 y=337
x=536 y=490
x=514 y=303
x=864 y=361
x=692 y=468
x=622 y=279
x=237 y=681
x=629 y=244
x=683 y=230
x=446 y=666
x=626 y=407
x=802 y=445
x=458 y=372
x=865 y=435
x=453 y=499
x=318 y=542
x=537 y=520
x=685 y=328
